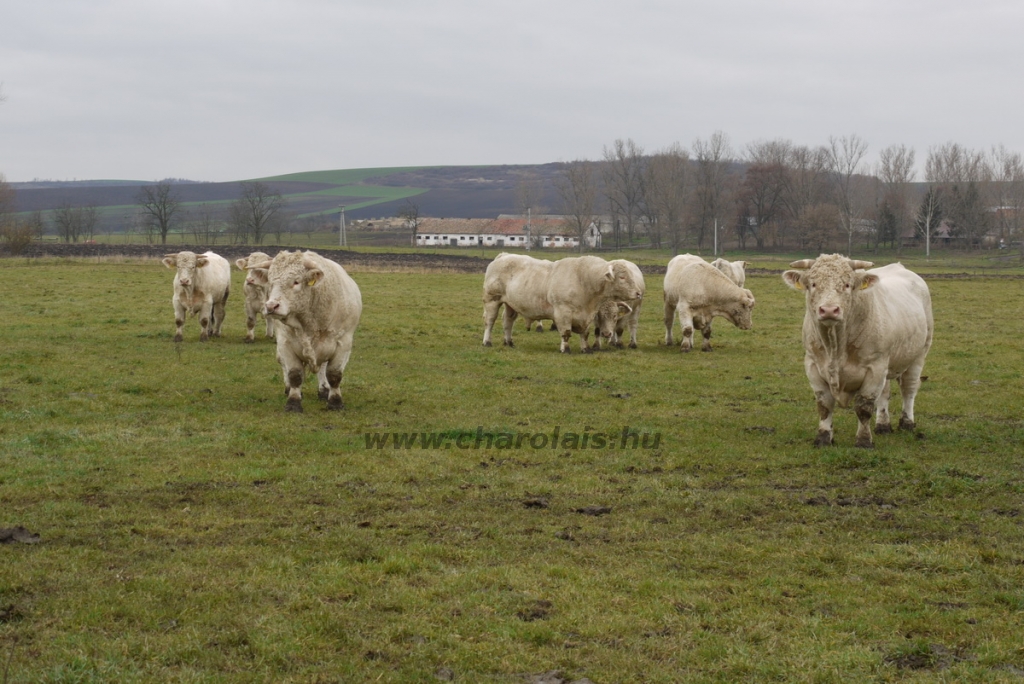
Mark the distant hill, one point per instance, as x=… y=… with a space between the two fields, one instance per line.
x=440 y=191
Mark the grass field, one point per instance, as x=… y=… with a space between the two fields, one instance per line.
x=192 y=531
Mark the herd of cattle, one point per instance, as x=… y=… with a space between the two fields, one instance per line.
x=863 y=327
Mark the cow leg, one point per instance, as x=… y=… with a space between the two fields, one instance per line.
x=332 y=375
x=634 y=323
x=270 y=326
x=864 y=408
x=585 y=341
x=670 y=319
x=686 y=323
x=490 y=315
x=705 y=331
x=205 y=312
x=180 y=314
x=250 y=324
x=219 y=310
x=293 y=384
x=910 y=383
x=507 y=321
x=883 y=424
x=323 y=387
x=826 y=407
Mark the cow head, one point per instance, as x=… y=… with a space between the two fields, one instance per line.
x=256 y=276
x=608 y=316
x=186 y=264
x=831 y=282
x=740 y=310
x=291 y=277
x=623 y=285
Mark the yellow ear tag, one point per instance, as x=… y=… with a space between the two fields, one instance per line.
x=312 y=282
x=865 y=284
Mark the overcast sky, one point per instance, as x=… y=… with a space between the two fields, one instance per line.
x=220 y=90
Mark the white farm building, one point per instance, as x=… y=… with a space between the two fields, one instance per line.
x=504 y=231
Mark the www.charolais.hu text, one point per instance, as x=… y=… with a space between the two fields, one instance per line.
x=556 y=438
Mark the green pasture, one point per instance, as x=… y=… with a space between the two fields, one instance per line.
x=193 y=531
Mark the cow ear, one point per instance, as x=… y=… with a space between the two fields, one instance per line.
x=201 y=261
x=866 y=281
x=241 y=264
x=260 y=275
x=170 y=260
x=792 y=278
x=265 y=265
x=610 y=273
x=742 y=264
x=314 y=276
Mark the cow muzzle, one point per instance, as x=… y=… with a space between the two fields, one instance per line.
x=830 y=314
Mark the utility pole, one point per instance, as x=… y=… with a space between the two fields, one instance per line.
x=716 y=237
x=342 y=238
x=529 y=238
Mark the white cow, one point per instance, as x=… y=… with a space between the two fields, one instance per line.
x=624 y=313
x=202 y=283
x=862 y=328
x=697 y=292
x=736 y=270
x=568 y=291
x=255 y=295
x=316 y=307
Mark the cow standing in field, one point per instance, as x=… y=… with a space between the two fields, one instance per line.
x=624 y=313
x=315 y=307
x=255 y=295
x=735 y=270
x=568 y=292
x=697 y=292
x=202 y=283
x=862 y=328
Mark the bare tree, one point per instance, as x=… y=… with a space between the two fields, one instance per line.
x=896 y=173
x=1007 y=194
x=74 y=222
x=929 y=216
x=410 y=213
x=577 y=188
x=958 y=173
x=623 y=181
x=159 y=205
x=711 y=159
x=844 y=157
x=666 y=193
x=255 y=212
x=529 y=194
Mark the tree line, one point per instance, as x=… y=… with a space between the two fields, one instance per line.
x=777 y=195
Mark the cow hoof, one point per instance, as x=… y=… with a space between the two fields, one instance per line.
x=566 y=351
x=540 y=329
x=632 y=345
x=204 y=337
x=335 y=403
x=706 y=349
x=487 y=344
x=248 y=340
x=823 y=439
x=323 y=393
x=907 y=424
x=588 y=350
x=178 y=338
x=883 y=429
x=510 y=343
x=293 y=405
x=864 y=444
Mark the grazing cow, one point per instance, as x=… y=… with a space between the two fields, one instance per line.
x=862 y=329
x=697 y=292
x=255 y=295
x=734 y=269
x=315 y=306
x=623 y=312
x=202 y=283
